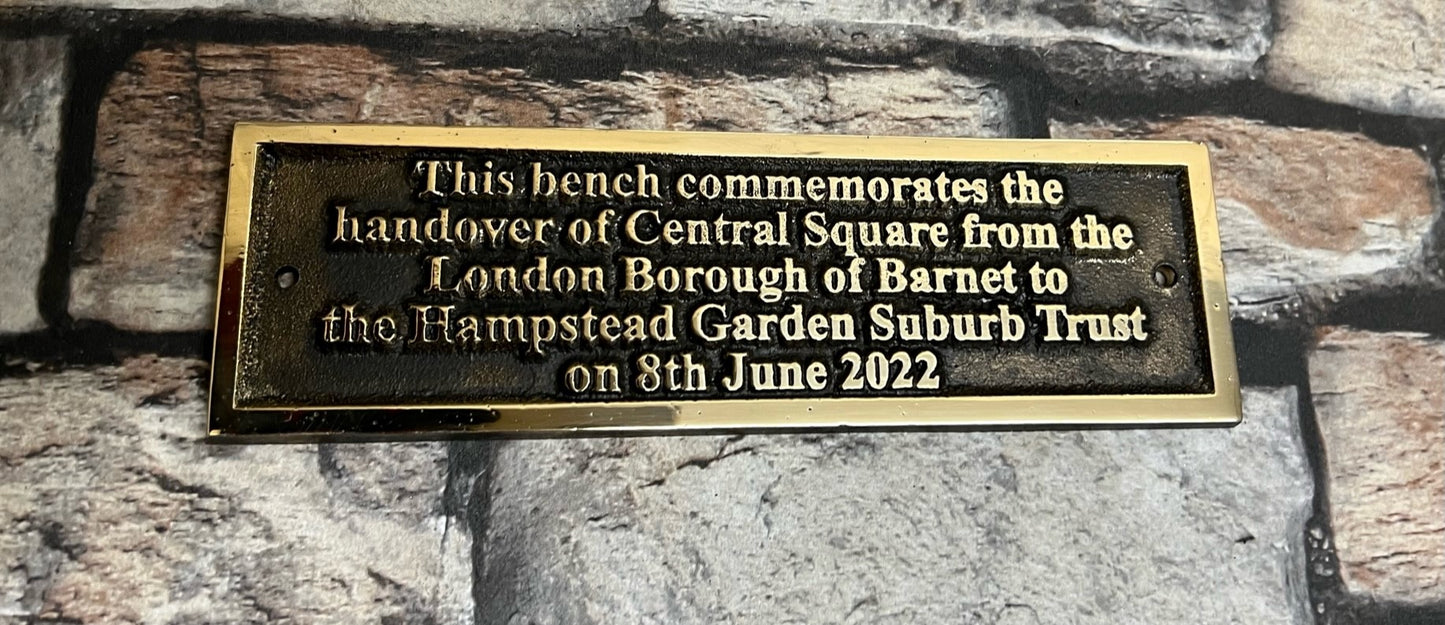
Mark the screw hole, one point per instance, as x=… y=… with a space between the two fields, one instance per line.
x=286 y=277
x=1165 y=276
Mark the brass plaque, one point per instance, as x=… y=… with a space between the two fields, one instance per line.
x=443 y=280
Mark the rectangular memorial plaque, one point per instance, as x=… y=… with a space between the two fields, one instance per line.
x=421 y=280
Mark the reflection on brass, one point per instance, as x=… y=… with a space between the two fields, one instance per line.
x=405 y=280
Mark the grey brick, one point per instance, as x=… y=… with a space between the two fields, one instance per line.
x=1100 y=45
x=1104 y=527
x=1379 y=55
x=33 y=83
x=114 y=510
x=1081 y=44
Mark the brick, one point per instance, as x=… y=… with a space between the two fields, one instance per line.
x=1380 y=401
x=981 y=527
x=33 y=83
x=1100 y=45
x=1299 y=209
x=113 y=510
x=1082 y=44
x=1378 y=55
x=500 y=15
x=146 y=252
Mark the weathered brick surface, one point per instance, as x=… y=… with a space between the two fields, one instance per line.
x=113 y=510
x=1380 y=401
x=32 y=92
x=1086 y=44
x=1099 y=527
x=497 y=15
x=164 y=131
x=1298 y=208
x=1082 y=44
x=1379 y=55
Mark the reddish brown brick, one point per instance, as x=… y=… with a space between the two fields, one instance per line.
x=146 y=251
x=1380 y=401
x=1298 y=208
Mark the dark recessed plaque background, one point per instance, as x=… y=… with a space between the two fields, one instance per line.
x=274 y=374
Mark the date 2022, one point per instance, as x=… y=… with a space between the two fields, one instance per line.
x=740 y=373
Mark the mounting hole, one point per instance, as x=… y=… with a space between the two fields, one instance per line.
x=1165 y=275
x=287 y=276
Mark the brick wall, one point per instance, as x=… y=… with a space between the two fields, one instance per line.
x=1325 y=120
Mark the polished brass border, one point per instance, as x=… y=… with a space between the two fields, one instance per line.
x=1220 y=408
